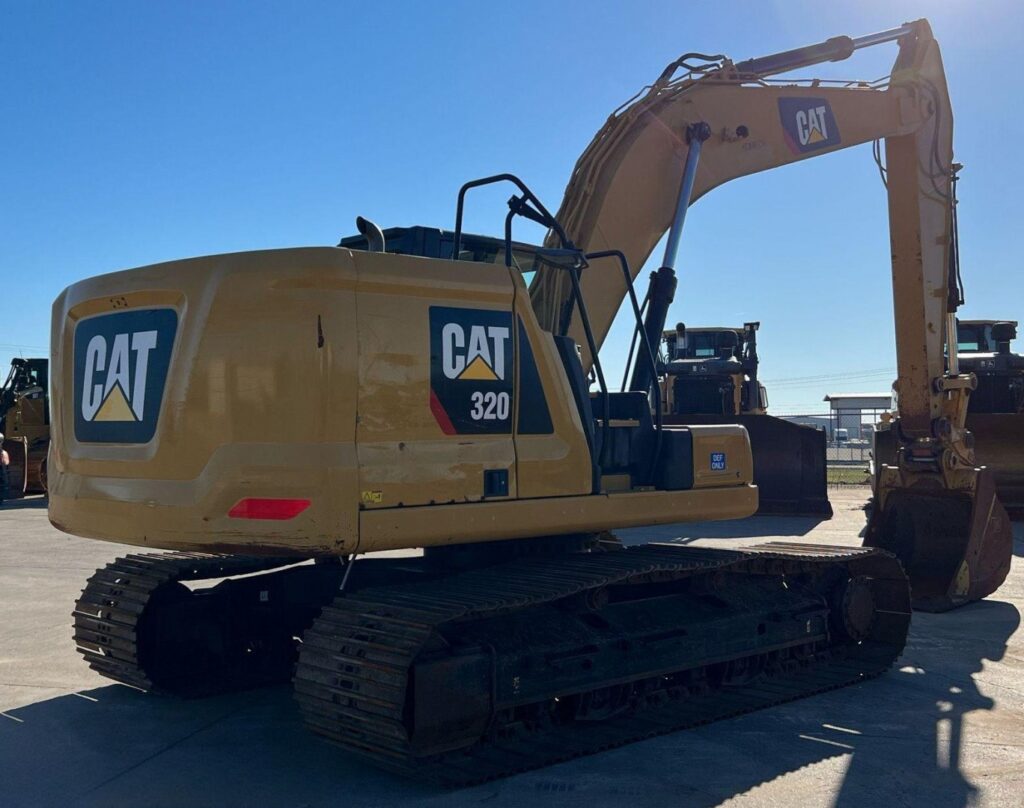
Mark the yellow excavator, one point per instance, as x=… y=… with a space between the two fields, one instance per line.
x=445 y=405
x=709 y=375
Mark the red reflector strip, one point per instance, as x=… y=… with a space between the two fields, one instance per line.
x=254 y=508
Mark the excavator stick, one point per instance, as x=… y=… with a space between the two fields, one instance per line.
x=999 y=442
x=789 y=463
x=955 y=544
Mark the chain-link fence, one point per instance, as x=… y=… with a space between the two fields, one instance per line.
x=844 y=454
x=848 y=439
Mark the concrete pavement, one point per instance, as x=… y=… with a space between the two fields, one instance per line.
x=944 y=729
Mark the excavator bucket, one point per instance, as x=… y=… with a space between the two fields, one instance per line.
x=999 y=444
x=789 y=462
x=955 y=544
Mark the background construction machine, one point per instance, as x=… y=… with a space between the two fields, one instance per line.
x=25 y=424
x=710 y=376
x=995 y=410
x=522 y=635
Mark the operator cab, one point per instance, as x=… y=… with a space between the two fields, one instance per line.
x=703 y=343
x=984 y=349
x=712 y=370
x=431 y=242
x=28 y=379
x=628 y=446
x=27 y=376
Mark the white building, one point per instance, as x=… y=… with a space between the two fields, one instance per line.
x=857 y=413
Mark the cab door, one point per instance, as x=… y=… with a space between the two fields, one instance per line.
x=436 y=381
x=552 y=455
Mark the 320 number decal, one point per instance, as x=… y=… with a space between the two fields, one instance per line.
x=489 y=406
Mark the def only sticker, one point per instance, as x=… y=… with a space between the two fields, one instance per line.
x=718 y=461
x=121 y=362
x=471 y=365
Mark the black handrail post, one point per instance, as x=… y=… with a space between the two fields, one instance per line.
x=508 y=238
x=592 y=345
x=645 y=347
x=632 y=343
x=545 y=217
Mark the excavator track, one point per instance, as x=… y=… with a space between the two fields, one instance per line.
x=377 y=658
x=111 y=614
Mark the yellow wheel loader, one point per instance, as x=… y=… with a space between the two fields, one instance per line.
x=442 y=408
x=710 y=376
x=25 y=425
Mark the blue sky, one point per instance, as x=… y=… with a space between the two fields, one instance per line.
x=136 y=133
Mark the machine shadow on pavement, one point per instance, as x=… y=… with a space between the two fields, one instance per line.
x=753 y=527
x=924 y=736
x=23 y=504
x=116 y=746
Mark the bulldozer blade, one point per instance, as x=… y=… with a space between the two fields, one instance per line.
x=999 y=444
x=789 y=462
x=955 y=545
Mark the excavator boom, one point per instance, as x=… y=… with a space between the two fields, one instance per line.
x=684 y=136
x=625 y=189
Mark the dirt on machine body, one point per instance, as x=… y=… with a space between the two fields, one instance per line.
x=416 y=388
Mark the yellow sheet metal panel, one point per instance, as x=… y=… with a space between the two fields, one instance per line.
x=721 y=456
x=491 y=521
x=555 y=463
x=256 y=399
x=197 y=399
x=435 y=379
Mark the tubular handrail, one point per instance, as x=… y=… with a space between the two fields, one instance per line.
x=646 y=347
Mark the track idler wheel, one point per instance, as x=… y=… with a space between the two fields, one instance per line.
x=854 y=607
x=955 y=545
